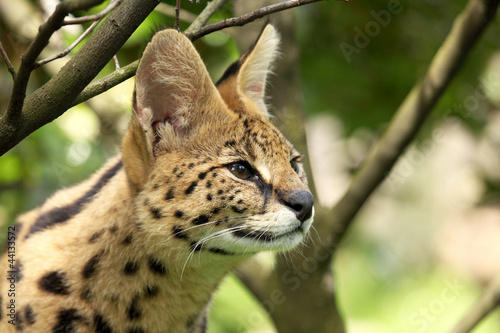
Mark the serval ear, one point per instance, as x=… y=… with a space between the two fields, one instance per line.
x=244 y=82
x=173 y=97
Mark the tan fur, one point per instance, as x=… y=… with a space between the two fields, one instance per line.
x=149 y=242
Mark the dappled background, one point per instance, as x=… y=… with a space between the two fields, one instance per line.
x=426 y=243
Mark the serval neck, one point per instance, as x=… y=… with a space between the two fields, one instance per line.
x=177 y=276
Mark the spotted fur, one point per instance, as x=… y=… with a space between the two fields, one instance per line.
x=203 y=181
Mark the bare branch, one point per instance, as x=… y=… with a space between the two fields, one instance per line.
x=41 y=40
x=109 y=81
x=466 y=30
x=177 y=10
x=247 y=18
x=96 y=17
x=169 y=10
x=10 y=68
x=28 y=59
x=117 y=63
x=488 y=302
x=193 y=31
x=117 y=77
x=57 y=95
x=204 y=16
x=69 y=48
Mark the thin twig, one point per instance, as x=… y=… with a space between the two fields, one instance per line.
x=117 y=63
x=177 y=10
x=117 y=77
x=466 y=30
x=69 y=48
x=90 y=18
x=28 y=59
x=247 y=18
x=488 y=302
x=204 y=16
x=109 y=81
x=169 y=10
x=10 y=68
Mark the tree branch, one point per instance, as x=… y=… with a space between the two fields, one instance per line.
x=466 y=30
x=124 y=73
x=204 y=16
x=10 y=68
x=109 y=81
x=250 y=17
x=96 y=17
x=56 y=96
x=488 y=302
x=46 y=30
x=194 y=31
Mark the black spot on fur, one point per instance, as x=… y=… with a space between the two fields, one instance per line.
x=202 y=175
x=219 y=251
x=18 y=268
x=209 y=197
x=86 y=294
x=91 y=265
x=170 y=194
x=127 y=240
x=130 y=268
x=95 y=236
x=100 y=324
x=65 y=321
x=113 y=229
x=216 y=210
x=178 y=214
x=191 y=187
x=230 y=143
x=231 y=198
x=29 y=315
x=55 y=282
x=191 y=166
x=157 y=266
x=19 y=321
x=156 y=213
x=200 y=220
x=208 y=185
x=219 y=192
x=62 y=214
x=195 y=246
x=133 y=311
x=238 y=210
x=151 y=291
x=240 y=201
x=178 y=232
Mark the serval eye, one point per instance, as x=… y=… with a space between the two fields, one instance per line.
x=240 y=170
x=294 y=165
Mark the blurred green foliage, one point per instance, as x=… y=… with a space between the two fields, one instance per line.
x=363 y=90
